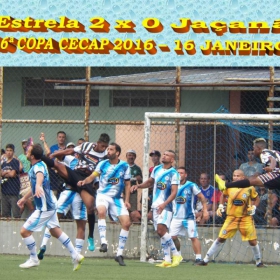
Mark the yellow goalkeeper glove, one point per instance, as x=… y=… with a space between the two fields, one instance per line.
x=220 y=210
x=251 y=210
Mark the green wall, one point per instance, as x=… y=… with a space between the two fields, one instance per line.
x=193 y=101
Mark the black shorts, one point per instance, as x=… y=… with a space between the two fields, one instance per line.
x=270 y=180
x=74 y=176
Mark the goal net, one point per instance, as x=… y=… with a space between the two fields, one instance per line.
x=212 y=143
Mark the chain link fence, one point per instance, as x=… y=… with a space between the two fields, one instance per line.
x=53 y=99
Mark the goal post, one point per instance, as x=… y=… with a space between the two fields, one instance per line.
x=193 y=119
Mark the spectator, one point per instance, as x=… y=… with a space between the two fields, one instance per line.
x=136 y=178
x=10 y=183
x=60 y=138
x=136 y=215
x=262 y=209
x=80 y=141
x=56 y=182
x=23 y=159
x=70 y=145
x=25 y=185
x=252 y=167
x=207 y=190
x=155 y=155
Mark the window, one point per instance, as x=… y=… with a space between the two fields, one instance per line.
x=142 y=98
x=38 y=93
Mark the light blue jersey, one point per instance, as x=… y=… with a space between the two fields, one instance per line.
x=184 y=201
x=48 y=201
x=164 y=179
x=112 y=177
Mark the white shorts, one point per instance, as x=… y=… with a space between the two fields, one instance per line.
x=163 y=218
x=69 y=199
x=40 y=219
x=115 y=206
x=182 y=227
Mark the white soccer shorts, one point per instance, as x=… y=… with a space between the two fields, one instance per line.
x=115 y=206
x=40 y=219
x=69 y=199
x=163 y=218
x=181 y=227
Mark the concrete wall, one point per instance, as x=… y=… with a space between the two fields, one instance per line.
x=193 y=101
x=233 y=251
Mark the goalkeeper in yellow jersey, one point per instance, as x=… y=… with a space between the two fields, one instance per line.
x=241 y=207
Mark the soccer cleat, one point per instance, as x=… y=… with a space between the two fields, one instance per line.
x=77 y=262
x=197 y=261
x=261 y=265
x=30 y=263
x=221 y=183
x=201 y=263
x=42 y=252
x=91 y=245
x=103 y=248
x=176 y=260
x=119 y=259
x=164 y=264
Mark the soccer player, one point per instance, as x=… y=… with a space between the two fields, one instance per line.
x=90 y=155
x=114 y=177
x=45 y=213
x=241 y=207
x=270 y=159
x=165 y=180
x=183 y=213
x=69 y=199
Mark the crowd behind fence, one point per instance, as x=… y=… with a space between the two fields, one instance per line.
x=31 y=106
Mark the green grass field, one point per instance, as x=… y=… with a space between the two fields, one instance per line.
x=92 y=268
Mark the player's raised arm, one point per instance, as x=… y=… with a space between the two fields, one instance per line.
x=68 y=151
x=144 y=185
x=88 y=179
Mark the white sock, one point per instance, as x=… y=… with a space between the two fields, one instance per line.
x=122 y=240
x=198 y=256
x=79 y=245
x=47 y=236
x=212 y=250
x=179 y=252
x=65 y=240
x=31 y=245
x=167 y=245
x=171 y=244
x=166 y=250
x=102 y=230
x=256 y=253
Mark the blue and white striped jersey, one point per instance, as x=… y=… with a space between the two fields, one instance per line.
x=70 y=161
x=112 y=177
x=184 y=201
x=47 y=202
x=164 y=179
